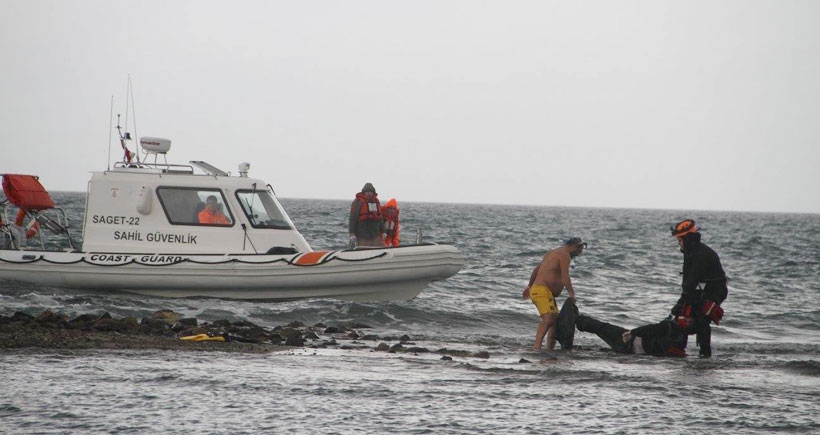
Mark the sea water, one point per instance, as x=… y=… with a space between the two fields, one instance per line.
x=763 y=377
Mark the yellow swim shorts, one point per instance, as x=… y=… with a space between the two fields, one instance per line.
x=543 y=299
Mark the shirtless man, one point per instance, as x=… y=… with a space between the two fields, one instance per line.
x=547 y=282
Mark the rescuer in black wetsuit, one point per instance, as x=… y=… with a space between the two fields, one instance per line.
x=660 y=339
x=703 y=286
x=703 y=290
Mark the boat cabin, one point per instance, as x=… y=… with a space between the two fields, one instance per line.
x=161 y=208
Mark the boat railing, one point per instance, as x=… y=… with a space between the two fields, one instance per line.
x=52 y=220
x=165 y=168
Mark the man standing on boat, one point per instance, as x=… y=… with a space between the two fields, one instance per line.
x=211 y=214
x=703 y=286
x=366 y=224
x=547 y=281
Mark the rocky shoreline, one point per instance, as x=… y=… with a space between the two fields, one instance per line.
x=165 y=330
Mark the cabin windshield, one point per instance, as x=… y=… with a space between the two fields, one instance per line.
x=192 y=206
x=262 y=210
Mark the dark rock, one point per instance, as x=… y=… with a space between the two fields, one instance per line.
x=83 y=321
x=131 y=324
x=236 y=338
x=416 y=349
x=295 y=342
x=453 y=352
x=523 y=361
x=446 y=358
x=49 y=318
x=382 y=347
x=295 y=324
x=396 y=348
x=289 y=332
x=311 y=335
x=245 y=324
x=149 y=325
x=404 y=338
x=221 y=323
x=256 y=334
x=20 y=316
x=482 y=354
x=353 y=334
x=167 y=315
x=108 y=324
x=188 y=321
x=369 y=337
x=333 y=330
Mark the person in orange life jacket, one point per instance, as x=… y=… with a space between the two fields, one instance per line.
x=366 y=224
x=703 y=286
x=547 y=281
x=211 y=213
x=390 y=212
x=660 y=339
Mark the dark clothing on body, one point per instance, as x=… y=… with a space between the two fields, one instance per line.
x=703 y=280
x=660 y=339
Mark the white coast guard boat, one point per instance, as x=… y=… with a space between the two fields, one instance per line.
x=142 y=234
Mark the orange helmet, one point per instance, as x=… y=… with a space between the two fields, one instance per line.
x=684 y=227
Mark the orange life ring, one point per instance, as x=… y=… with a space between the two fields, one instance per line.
x=33 y=227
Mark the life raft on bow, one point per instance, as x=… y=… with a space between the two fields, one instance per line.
x=26 y=193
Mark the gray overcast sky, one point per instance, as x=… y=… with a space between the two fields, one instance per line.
x=698 y=105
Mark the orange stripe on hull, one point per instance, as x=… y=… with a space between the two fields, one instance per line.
x=310 y=258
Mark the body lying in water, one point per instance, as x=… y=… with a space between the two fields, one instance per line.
x=664 y=338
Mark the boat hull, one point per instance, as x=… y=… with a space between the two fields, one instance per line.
x=354 y=275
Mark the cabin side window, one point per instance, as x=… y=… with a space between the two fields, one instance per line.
x=192 y=206
x=262 y=210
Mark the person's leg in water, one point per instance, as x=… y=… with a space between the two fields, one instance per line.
x=704 y=339
x=545 y=328
x=611 y=334
x=543 y=299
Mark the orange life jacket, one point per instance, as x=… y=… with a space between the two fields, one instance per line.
x=369 y=211
x=391 y=223
x=206 y=217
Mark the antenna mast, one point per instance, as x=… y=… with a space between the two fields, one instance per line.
x=130 y=97
x=110 y=126
x=125 y=135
